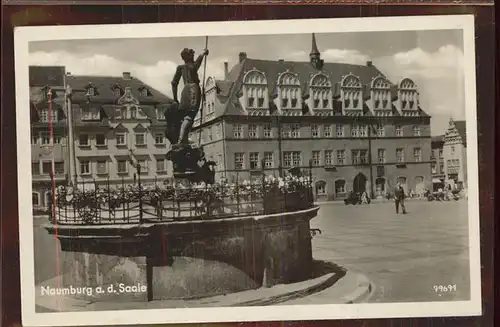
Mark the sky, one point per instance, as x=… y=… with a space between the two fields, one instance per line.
x=433 y=59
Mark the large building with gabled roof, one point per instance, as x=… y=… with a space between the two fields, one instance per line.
x=117 y=125
x=359 y=130
x=455 y=153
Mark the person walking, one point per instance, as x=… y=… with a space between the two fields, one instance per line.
x=399 y=198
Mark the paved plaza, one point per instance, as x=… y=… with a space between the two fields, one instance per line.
x=404 y=256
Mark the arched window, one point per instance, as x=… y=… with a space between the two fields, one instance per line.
x=255 y=89
x=289 y=91
x=320 y=92
x=408 y=94
x=351 y=93
x=320 y=188
x=419 y=185
x=35 y=199
x=381 y=93
x=340 y=187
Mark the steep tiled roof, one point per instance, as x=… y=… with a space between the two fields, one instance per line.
x=104 y=86
x=304 y=70
x=438 y=139
x=46 y=75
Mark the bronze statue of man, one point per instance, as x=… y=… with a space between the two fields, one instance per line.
x=189 y=103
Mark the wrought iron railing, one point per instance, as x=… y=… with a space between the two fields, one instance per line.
x=159 y=202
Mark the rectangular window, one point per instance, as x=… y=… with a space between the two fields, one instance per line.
x=144 y=165
x=417 y=154
x=296 y=159
x=440 y=153
x=355 y=130
x=239 y=161
x=399 y=130
x=100 y=140
x=253 y=131
x=254 y=160
x=328 y=157
x=268 y=132
x=452 y=149
x=160 y=139
x=210 y=136
x=218 y=131
x=340 y=130
x=441 y=167
x=57 y=139
x=400 y=155
x=314 y=130
x=381 y=155
x=363 y=130
x=286 y=131
x=121 y=139
x=287 y=159
x=340 y=157
x=268 y=160
x=220 y=162
x=83 y=140
x=251 y=102
x=359 y=157
x=315 y=158
x=44 y=116
x=327 y=130
x=284 y=103
x=85 y=167
x=45 y=138
x=90 y=114
x=140 y=139
x=34 y=139
x=416 y=130
x=102 y=167
x=35 y=168
x=238 y=131
x=434 y=168
x=295 y=131
x=261 y=102
x=161 y=165
x=59 y=168
x=46 y=167
x=122 y=166
x=433 y=154
x=380 y=130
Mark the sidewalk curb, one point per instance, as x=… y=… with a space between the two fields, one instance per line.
x=362 y=292
x=331 y=281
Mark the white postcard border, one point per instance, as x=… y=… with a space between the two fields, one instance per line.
x=24 y=35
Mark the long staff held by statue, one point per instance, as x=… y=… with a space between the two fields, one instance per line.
x=203 y=100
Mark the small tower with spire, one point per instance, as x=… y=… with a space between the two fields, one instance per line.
x=315 y=55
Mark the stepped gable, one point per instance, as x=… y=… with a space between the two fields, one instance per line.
x=461 y=128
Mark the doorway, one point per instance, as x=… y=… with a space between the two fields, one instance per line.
x=359 y=183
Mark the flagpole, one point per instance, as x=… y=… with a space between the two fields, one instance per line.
x=52 y=160
x=203 y=92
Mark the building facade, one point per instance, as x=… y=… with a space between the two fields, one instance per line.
x=42 y=79
x=455 y=154
x=437 y=164
x=358 y=130
x=117 y=124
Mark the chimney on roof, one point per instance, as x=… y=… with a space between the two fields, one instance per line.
x=226 y=69
x=243 y=56
x=126 y=75
x=369 y=63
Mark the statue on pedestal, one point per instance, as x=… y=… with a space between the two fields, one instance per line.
x=188 y=159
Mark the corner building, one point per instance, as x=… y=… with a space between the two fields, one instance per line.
x=41 y=80
x=359 y=130
x=117 y=123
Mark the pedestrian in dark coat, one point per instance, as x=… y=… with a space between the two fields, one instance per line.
x=399 y=198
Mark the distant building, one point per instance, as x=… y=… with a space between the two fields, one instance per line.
x=437 y=164
x=116 y=124
x=455 y=153
x=360 y=131
x=41 y=80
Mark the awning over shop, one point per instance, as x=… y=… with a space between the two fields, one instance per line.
x=436 y=180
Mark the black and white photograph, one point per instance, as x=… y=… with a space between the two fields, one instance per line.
x=248 y=171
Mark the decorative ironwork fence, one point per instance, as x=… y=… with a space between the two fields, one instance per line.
x=139 y=203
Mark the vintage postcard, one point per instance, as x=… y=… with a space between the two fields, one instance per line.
x=248 y=171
